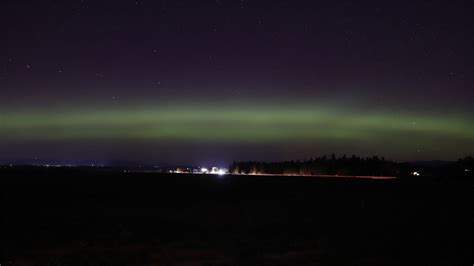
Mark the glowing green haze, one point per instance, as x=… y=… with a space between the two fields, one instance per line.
x=382 y=132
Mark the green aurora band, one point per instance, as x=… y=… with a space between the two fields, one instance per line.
x=245 y=124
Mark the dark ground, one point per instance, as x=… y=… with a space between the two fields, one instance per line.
x=86 y=217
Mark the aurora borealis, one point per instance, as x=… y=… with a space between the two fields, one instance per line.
x=235 y=123
x=216 y=81
x=402 y=134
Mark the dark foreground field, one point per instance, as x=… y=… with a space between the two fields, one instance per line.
x=85 y=217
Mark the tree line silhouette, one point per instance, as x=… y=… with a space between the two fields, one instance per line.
x=344 y=165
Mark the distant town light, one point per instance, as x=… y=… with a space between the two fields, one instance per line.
x=221 y=172
x=204 y=170
x=467 y=170
x=415 y=173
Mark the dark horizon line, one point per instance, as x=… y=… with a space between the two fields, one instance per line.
x=126 y=163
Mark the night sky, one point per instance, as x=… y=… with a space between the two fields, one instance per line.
x=208 y=82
